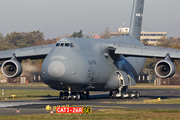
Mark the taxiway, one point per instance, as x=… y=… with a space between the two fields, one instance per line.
x=97 y=100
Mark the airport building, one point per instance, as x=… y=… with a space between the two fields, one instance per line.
x=167 y=81
x=151 y=37
x=26 y=78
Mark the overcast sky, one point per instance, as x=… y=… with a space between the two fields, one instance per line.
x=59 y=17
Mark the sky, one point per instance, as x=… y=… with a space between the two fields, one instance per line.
x=60 y=17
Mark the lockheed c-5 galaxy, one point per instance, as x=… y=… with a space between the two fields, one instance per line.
x=76 y=65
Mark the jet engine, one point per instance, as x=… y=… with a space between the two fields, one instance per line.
x=11 y=68
x=165 y=69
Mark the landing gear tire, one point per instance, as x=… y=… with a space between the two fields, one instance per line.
x=114 y=94
x=110 y=94
x=87 y=94
x=137 y=94
x=130 y=95
x=72 y=95
x=82 y=95
x=66 y=95
x=77 y=96
x=61 y=95
x=122 y=95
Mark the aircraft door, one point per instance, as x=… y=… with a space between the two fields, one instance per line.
x=126 y=78
x=122 y=78
x=131 y=78
x=117 y=79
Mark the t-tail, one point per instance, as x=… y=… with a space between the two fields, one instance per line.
x=136 y=19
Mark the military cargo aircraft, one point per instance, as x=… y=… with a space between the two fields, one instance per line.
x=78 y=65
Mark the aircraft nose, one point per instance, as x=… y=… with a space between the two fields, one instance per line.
x=53 y=71
x=56 y=69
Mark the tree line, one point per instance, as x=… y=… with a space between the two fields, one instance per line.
x=16 y=40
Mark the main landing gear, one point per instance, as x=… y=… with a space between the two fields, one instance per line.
x=123 y=94
x=73 y=95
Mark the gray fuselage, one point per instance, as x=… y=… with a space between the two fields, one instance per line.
x=81 y=64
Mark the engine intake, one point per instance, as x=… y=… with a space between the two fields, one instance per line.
x=11 y=68
x=165 y=69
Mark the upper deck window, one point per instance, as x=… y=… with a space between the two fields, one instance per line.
x=57 y=44
x=66 y=44
x=62 y=44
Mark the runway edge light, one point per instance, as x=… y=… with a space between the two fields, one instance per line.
x=2 y=91
x=159 y=99
x=18 y=111
x=51 y=112
x=13 y=96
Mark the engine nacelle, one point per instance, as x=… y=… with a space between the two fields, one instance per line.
x=165 y=69
x=11 y=68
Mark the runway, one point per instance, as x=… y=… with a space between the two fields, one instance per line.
x=98 y=100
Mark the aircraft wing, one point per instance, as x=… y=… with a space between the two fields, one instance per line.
x=145 y=51
x=36 y=52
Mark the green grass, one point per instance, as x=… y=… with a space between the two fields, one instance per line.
x=144 y=84
x=169 y=101
x=150 y=101
x=27 y=94
x=152 y=86
x=115 y=114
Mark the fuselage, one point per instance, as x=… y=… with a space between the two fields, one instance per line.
x=87 y=64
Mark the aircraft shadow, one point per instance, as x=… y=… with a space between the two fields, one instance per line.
x=106 y=96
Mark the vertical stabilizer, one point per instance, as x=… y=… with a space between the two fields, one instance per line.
x=136 y=19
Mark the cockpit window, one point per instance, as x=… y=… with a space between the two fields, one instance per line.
x=67 y=44
x=57 y=44
x=62 y=44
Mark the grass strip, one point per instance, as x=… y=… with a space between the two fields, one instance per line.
x=27 y=94
x=150 y=101
x=110 y=114
x=152 y=86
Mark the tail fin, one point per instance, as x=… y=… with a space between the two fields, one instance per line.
x=136 y=19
